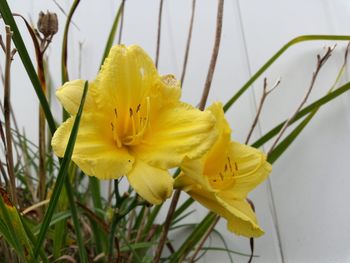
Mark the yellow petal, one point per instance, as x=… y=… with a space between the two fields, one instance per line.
x=240 y=217
x=70 y=96
x=95 y=151
x=214 y=160
x=238 y=213
x=192 y=173
x=252 y=169
x=152 y=184
x=125 y=79
x=179 y=131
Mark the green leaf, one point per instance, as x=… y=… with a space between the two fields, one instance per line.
x=195 y=236
x=28 y=65
x=62 y=174
x=73 y=208
x=283 y=145
x=275 y=57
x=113 y=31
x=64 y=56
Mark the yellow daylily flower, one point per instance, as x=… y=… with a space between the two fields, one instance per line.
x=133 y=124
x=222 y=178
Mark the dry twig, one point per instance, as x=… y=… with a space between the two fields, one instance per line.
x=176 y=196
x=214 y=55
x=262 y=101
x=320 y=62
x=188 y=44
x=159 y=30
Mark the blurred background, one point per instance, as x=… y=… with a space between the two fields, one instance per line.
x=303 y=207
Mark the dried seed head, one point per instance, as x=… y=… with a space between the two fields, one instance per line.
x=48 y=24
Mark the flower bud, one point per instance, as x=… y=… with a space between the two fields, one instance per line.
x=47 y=24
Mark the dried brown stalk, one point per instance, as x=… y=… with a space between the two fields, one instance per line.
x=176 y=196
x=9 y=53
x=140 y=231
x=320 y=62
x=214 y=55
x=188 y=44
x=159 y=30
x=261 y=103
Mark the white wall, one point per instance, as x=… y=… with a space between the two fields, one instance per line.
x=308 y=188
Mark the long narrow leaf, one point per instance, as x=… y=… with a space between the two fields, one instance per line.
x=64 y=56
x=113 y=31
x=283 y=145
x=28 y=65
x=275 y=57
x=62 y=173
x=73 y=208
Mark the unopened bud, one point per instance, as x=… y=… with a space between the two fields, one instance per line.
x=47 y=24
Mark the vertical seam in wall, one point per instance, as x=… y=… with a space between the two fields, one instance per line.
x=272 y=203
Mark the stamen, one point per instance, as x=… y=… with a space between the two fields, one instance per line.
x=236 y=166
x=229 y=163
x=130 y=111
x=112 y=126
x=115 y=113
x=138 y=108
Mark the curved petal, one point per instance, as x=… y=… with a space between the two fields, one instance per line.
x=252 y=169
x=240 y=217
x=152 y=184
x=70 y=95
x=95 y=151
x=179 y=131
x=125 y=79
x=214 y=160
x=192 y=173
x=238 y=213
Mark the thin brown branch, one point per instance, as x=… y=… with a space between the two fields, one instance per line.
x=204 y=239
x=159 y=30
x=188 y=44
x=320 y=62
x=214 y=55
x=176 y=196
x=166 y=226
x=140 y=231
x=261 y=103
x=7 y=111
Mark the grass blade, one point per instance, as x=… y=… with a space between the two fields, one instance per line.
x=113 y=31
x=73 y=208
x=62 y=174
x=195 y=236
x=64 y=56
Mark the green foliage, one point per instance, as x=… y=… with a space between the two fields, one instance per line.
x=76 y=220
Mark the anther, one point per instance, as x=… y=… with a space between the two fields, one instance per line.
x=236 y=166
x=229 y=163
x=115 y=113
x=130 y=111
x=112 y=126
x=138 y=108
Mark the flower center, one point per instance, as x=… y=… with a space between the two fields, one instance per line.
x=129 y=129
x=225 y=178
